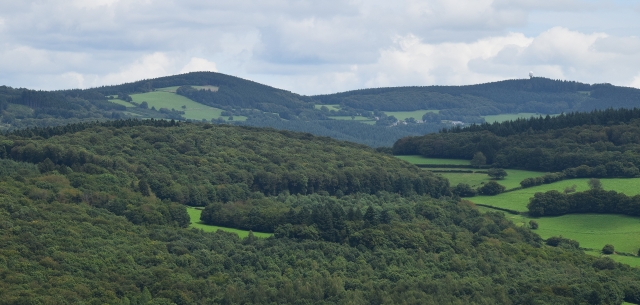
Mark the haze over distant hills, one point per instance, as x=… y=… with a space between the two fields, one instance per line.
x=375 y=117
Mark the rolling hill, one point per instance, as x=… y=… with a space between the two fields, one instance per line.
x=375 y=117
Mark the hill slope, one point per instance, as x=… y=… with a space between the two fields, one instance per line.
x=223 y=97
x=93 y=213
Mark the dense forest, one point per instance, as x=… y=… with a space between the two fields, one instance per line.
x=95 y=213
x=597 y=144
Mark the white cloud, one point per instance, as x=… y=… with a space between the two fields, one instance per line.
x=199 y=65
x=149 y=66
x=635 y=82
x=316 y=46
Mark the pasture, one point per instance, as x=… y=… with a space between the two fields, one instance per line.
x=475 y=180
x=330 y=107
x=348 y=118
x=416 y=159
x=174 y=88
x=193 y=110
x=403 y=115
x=121 y=102
x=194 y=215
x=510 y=116
x=593 y=231
x=518 y=200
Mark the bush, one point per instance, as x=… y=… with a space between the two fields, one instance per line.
x=491 y=188
x=497 y=173
x=533 y=225
x=464 y=190
x=608 y=249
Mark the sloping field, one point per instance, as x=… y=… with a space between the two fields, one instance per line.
x=518 y=200
x=121 y=102
x=403 y=115
x=512 y=116
x=194 y=214
x=193 y=110
x=475 y=180
x=415 y=159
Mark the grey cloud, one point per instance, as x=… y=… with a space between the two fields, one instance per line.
x=621 y=45
x=292 y=42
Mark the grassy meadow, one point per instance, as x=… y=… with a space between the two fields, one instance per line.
x=403 y=115
x=592 y=231
x=121 y=102
x=173 y=89
x=518 y=200
x=194 y=214
x=331 y=107
x=165 y=99
x=475 y=180
x=348 y=118
x=416 y=159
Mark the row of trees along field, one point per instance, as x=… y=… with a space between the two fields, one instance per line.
x=59 y=246
x=596 y=200
x=606 y=142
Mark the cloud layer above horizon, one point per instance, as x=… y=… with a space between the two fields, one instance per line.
x=315 y=47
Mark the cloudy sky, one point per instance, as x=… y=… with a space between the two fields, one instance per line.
x=313 y=47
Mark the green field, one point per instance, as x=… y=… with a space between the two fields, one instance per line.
x=193 y=110
x=174 y=88
x=348 y=118
x=518 y=200
x=121 y=102
x=511 y=116
x=591 y=230
x=475 y=180
x=415 y=159
x=403 y=115
x=194 y=214
x=331 y=107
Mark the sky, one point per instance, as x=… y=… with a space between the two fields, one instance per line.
x=318 y=47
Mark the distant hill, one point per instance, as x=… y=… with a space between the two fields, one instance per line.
x=375 y=117
x=541 y=95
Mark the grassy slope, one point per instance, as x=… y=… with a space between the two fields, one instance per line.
x=330 y=107
x=422 y=160
x=518 y=200
x=511 y=116
x=121 y=102
x=348 y=118
x=403 y=115
x=593 y=231
x=194 y=214
x=194 y=111
x=475 y=180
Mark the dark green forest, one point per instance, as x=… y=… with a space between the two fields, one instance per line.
x=94 y=213
x=603 y=143
x=540 y=95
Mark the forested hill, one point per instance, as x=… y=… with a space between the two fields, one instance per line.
x=231 y=92
x=188 y=163
x=94 y=213
x=596 y=144
x=541 y=95
x=365 y=116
